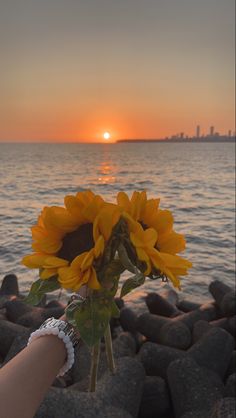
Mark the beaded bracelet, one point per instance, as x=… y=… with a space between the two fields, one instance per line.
x=65 y=332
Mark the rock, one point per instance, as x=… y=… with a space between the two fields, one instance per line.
x=19 y=343
x=10 y=285
x=230 y=387
x=124 y=345
x=55 y=304
x=150 y=325
x=213 y=350
x=175 y=334
x=128 y=319
x=81 y=367
x=155 y=358
x=16 y=308
x=166 y=331
x=232 y=364
x=155 y=400
x=170 y=295
x=116 y=396
x=199 y=329
x=8 y=332
x=224 y=297
x=157 y=305
x=229 y=324
x=192 y=387
x=59 y=382
x=228 y=304
x=124 y=389
x=207 y=312
x=188 y=306
x=201 y=413
x=224 y=408
x=38 y=315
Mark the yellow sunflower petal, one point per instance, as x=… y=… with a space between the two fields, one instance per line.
x=85 y=197
x=75 y=208
x=172 y=243
x=105 y=221
x=47 y=245
x=34 y=260
x=68 y=277
x=93 y=282
x=150 y=237
x=163 y=222
x=123 y=201
x=76 y=263
x=138 y=201
x=136 y=240
x=47 y=273
x=54 y=262
x=87 y=261
x=92 y=209
x=141 y=254
x=99 y=246
x=175 y=261
x=60 y=218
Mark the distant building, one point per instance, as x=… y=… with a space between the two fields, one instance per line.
x=212 y=130
x=230 y=133
x=198 y=131
x=181 y=135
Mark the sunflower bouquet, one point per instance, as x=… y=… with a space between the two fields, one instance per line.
x=89 y=243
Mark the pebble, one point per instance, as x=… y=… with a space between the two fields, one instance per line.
x=38 y=315
x=188 y=306
x=192 y=387
x=207 y=312
x=156 y=358
x=18 y=344
x=213 y=350
x=155 y=399
x=158 y=305
x=224 y=408
x=224 y=297
x=16 y=308
x=128 y=319
x=199 y=329
x=230 y=387
x=232 y=364
x=150 y=325
x=9 y=285
x=8 y=332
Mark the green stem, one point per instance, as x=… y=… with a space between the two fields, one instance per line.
x=94 y=367
x=109 y=350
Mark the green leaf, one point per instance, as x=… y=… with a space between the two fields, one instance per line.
x=124 y=258
x=115 y=312
x=92 y=319
x=39 y=288
x=132 y=283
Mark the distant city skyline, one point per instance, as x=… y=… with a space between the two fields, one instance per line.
x=73 y=70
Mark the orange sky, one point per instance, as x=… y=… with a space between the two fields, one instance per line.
x=70 y=72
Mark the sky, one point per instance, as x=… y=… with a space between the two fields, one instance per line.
x=74 y=69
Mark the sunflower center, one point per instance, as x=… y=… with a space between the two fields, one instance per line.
x=77 y=242
x=143 y=225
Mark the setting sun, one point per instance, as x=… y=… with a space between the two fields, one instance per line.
x=106 y=136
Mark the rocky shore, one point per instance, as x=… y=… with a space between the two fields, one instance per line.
x=177 y=359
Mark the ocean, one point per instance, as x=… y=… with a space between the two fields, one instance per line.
x=194 y=180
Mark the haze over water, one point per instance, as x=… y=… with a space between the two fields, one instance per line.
x=195 y=181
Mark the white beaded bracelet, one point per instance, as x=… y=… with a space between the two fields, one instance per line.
x=65 y=332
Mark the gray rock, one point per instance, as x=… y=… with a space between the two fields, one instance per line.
x=9 y=285
x=232 y=364
x=156 y=399
x=230 y=387
x=81 y=367
x=224 y=408
x=158 y=305
x=55 y=304
x=38 y=315
x=229 y=324
x=124 y=345
x=19 y=343
x=8 y=332
x=192 y=387
x=199 y=329
x=170 y=295
x=175 y=334
x=124 y=389
x=202 y=413
x=224 y=297
x=150 y=325
x=128 y=319
x=156 y=358
x=207 y=312
x=187 y=305
x=213 y=350
x=16 y=308
x=228 y=304
x=116 y=396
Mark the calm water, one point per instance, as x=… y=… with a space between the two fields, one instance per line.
x=195 y=181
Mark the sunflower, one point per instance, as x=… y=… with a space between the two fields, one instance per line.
x=152 y=235
x=68 y=240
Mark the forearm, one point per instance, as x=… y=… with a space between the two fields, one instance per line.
x=25 y=380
